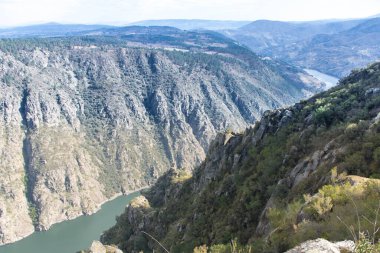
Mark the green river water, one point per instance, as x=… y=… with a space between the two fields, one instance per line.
x=74 y=235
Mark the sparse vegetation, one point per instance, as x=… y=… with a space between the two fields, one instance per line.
x=232 y=247
x=321 y=144
x=33 y=213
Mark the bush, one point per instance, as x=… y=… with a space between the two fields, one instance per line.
x=33 y=213
x=364 y=245
x=233 y=247
x=324 y=115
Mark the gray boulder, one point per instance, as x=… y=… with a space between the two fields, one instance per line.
x=323 y=246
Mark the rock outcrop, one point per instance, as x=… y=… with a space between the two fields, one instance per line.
x=324 y=246
x=98 y=247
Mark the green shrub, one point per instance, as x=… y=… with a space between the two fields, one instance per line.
x=33 y=213
x=232 y=247
x=364 y=245
x=324 y=115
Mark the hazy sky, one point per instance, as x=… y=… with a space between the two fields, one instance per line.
x=16 y=12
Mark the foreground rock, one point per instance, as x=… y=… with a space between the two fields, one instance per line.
x=98 y=247
x=324 y=246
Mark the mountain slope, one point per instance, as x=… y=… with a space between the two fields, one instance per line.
x=341 y=52
x=262 y=35
x=334 y=48
x=273 y=186
x=86 y=118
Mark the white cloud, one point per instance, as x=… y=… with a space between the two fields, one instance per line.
x=15 y=12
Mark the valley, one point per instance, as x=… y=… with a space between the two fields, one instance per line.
x=198 y=135
x=86 y=118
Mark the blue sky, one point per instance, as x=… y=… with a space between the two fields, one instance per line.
x=18 y=12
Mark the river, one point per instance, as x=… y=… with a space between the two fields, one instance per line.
x=330 y=81
x=74 y=235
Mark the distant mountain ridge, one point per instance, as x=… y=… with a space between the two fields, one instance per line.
x=194 y=24
x=369 y=26
x=47 y=30
x=315 y=27
x=334 y=47
x=60 y=30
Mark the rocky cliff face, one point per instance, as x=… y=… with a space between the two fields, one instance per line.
x=280 y=183
x=82 y=120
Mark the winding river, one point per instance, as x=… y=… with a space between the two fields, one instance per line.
x=74 y=235
x=330 y=81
